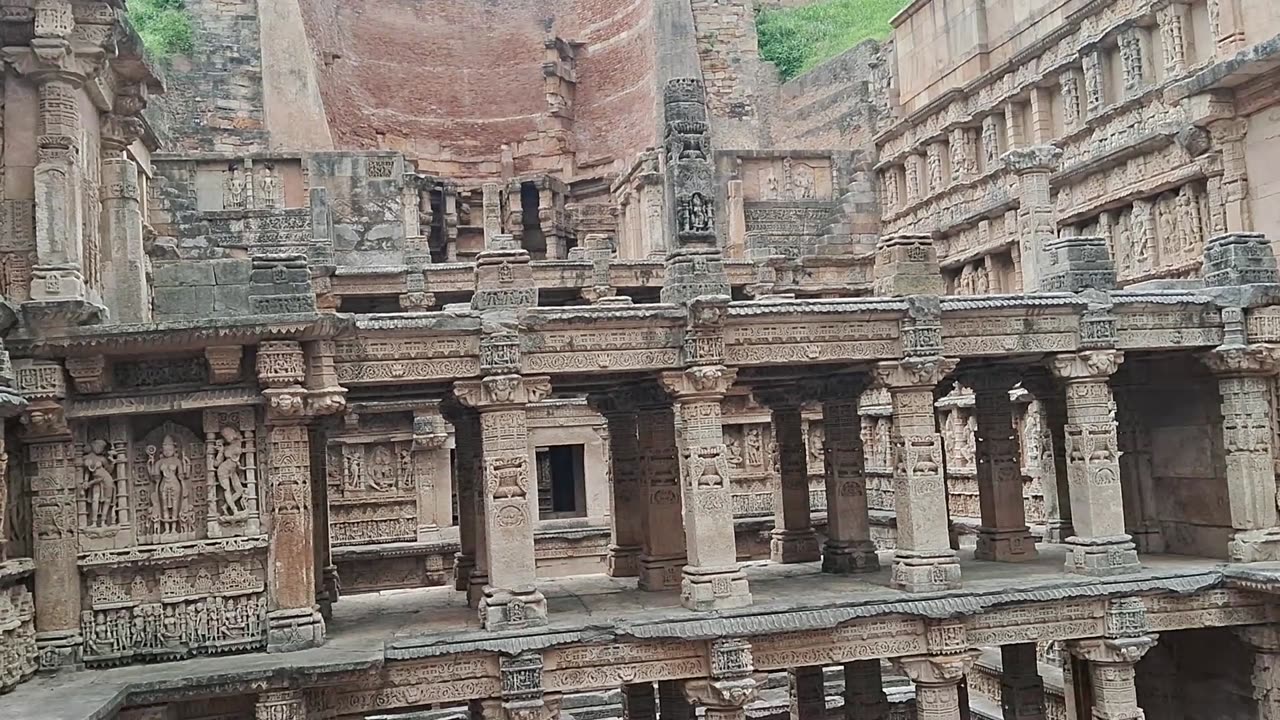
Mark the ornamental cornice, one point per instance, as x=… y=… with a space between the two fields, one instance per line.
x=167 y=336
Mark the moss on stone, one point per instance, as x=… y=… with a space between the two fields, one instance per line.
x=796 y=39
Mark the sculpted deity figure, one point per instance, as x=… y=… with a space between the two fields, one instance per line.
x=353 y=468
x=817 y=442
x=405 y=468
x=382 y=472
x=733 y=448
x=270 y=191
x=234 y=195
x=771 y=191
x=169 y=471
x=754 y=448
x=981 y=280
x=803 y=181
x=229 y=469
x=99 y=484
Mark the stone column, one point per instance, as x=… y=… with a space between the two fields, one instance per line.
x=663 y=556
x=1053 y=460
x=1172 y=17
x=712 y=580
x=638 y=702
x=923 y=560
x=937 y=679
x=54 y=472
x=1265 y=640
x=1246 y=374
x=793 y=539
x=510 y=599
x=523 y=697
x=1021 y=688
x=281 y=705
x=808 y=693
x=468 y=570
x=293 y=621
x=848 y=548
x=1003 y=535
x=627 y=515
x=672 y=704
x=864 y=697
x=123 y=257
x=1111 y=674
x=733 y=684
x=1033 y=165
x=1100 y=546
x=432 y=472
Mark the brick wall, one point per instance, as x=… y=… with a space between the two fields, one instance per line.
x=617 y=87
x=741 y=88
x=841 y=103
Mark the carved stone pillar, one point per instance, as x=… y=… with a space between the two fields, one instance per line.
x=638 y=702
x=1004 y=535
x=672 y=704
x=663 y=556
x=1033 y=166
x=712 y=580
x=1265 y=640
x=1100 y=546
x=733 y=683
x=469 y=570
x=864 y=697
x=848 y=548
x=937 y=680
x=1174 y=22
x=293 y=621
x=510 y=599
x=1228 y=136
x=1021 y=688
x=1094 y=96
x=281 y=705
x=54 y=473
x=627 y=515
x=1245 y=377
x=1111 y=674
x=808 y=693
x=923 y=560
x=793 y=539
x=1053 y=457
x=523 y=697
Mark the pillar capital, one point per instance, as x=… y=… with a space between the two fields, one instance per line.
x=727 y=693
x=708 y=382
x=1089 y=365
x=913 y=372
x=1122 y=651
x=937 y=669
x=1235 y=360
x=502 y=391
x=1034 y=159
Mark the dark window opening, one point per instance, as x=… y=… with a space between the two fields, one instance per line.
x=561 y=486
x=453 y=484
x=360 y=304
x=530 y=220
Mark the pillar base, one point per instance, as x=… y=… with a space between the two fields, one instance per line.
x=463 y=564
x=1057 y=531
x=658 y=573
x=294 y=629
x=714 y=588
x=521 y=607
x=794 y=546
x=1255 y=546
x=1102 y=557
x=1016 y=545
x=925 y=572
x=624 y=561
x=59 y=650
x=475 y=588
x=848 y=558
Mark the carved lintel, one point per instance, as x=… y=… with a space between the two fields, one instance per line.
x=913 y=372
x=711 y=381
x=89 y=373
x=937 y=669
x=1256 y=359
x=224 y=363
x=1090 y=364
x=1108 y=650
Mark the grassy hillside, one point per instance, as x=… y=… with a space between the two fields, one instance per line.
x=163 y=25
x=796 y=39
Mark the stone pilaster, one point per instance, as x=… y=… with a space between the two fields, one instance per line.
x=848 y=548
x=1094 y=80
x=523 y=697
x=627 y=515
x=1265 y=640
x=1003 y=535
x=638 y=702
x=713 y=579
x=281 y=705
x=293 y=619
x=1021 y=688
x=1053 y=460
x=1100 y=546
x=923 y=560
x=1174 y=24
x=1111 y=674
x=54 y=469
x=510 y=599
x=808 y=693
x=864 y=697
x=1246 y=374
x=663 y=555
x=937 y=679
x=1033 y=166
x=123 y=257
x=672 y=704
x=793 y=539
x=733 y=682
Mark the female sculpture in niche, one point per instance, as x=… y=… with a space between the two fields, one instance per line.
x=755 y=448
x=230 y=472
x=99 y=484
x=169 y=471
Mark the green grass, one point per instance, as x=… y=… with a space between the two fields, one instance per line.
x=796 y=39
x=163 y=25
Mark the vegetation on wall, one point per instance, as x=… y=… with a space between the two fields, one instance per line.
x=795 y=39
x=164 y=25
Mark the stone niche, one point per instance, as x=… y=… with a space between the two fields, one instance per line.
x=246 y=184
x=367 y=203
x=171 y=543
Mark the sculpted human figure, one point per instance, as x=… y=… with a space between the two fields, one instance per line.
x=269 y=188
x=234 y=189
x=99 y=484
x=230 y=471
x=755 y=448
x=169 y=471
x=733 y=448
